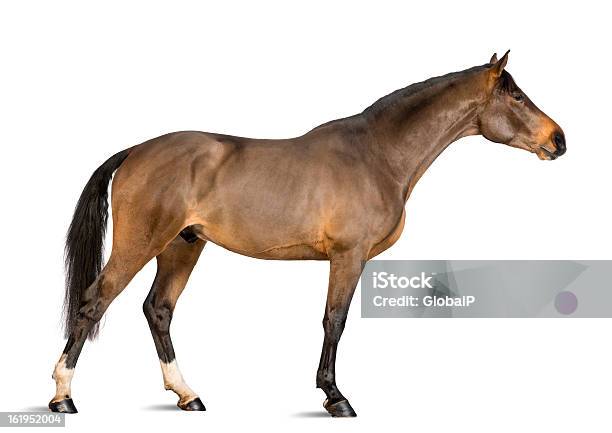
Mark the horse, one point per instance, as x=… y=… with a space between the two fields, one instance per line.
x=336 y=193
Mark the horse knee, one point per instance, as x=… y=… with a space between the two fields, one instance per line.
x=334 y=324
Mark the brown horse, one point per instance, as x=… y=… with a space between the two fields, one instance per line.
x=336 y=193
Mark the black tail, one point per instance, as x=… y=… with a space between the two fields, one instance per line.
x=85 y=239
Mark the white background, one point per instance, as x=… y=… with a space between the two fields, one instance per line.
x=81 y=82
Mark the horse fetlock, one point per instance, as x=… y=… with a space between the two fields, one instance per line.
x=173 y=380
x=62 y=375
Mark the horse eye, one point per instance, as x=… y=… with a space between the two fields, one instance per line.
x=518 y=97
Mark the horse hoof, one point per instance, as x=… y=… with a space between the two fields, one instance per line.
x=64 y=406
x=193 y=405
x=340 y=409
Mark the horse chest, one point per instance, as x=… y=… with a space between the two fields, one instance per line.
x=390 y=239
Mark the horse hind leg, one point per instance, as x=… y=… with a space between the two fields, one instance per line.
x=112 y=280
x=174 y=265
x=132 y=249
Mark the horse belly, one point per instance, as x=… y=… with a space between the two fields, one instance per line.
x=247 y=243
x=263 y=226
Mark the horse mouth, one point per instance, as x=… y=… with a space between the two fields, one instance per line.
x=546 y=154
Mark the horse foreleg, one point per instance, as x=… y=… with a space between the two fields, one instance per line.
x=345 y=269
x=174 y=266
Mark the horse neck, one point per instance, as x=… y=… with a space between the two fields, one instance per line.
x=412 y=127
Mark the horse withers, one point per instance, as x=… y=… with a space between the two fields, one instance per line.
x=293 y=199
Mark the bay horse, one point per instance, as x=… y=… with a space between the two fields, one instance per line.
x=336 y=193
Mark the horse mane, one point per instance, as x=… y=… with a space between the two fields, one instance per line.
x=395 y=97
x=416 y=88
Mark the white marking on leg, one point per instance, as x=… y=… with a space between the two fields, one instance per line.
x=173 y=379
x=63 y=377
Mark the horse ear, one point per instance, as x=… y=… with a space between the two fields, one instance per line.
x=493 y=58
x=498 y=66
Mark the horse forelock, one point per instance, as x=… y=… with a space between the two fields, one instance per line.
x=506 y=83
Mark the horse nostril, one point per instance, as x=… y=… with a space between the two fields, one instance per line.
x=559 y=140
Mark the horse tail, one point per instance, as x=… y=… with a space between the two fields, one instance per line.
x=84 y=249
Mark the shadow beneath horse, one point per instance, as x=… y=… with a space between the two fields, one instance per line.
x=162 y=408
x=312 y=414
x=36 y=409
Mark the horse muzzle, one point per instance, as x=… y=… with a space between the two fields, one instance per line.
x=557 y=139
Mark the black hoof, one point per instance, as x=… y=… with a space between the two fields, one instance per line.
x=340 y=409
x=64 y=406
x=194 y=405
